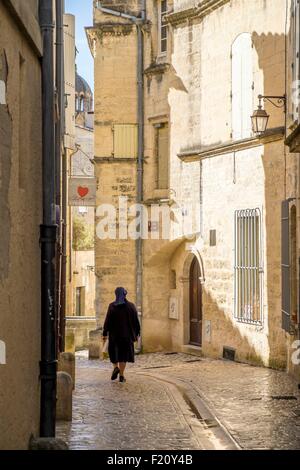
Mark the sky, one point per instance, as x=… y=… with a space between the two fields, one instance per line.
x=83 y=11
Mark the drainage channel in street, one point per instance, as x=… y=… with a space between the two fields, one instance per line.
x=204 y=426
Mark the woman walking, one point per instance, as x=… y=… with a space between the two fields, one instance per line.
x=123 y=327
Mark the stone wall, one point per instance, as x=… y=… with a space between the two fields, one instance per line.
x=187 y=89
x=81 y=326
x=82 y=267
x=131 y=7
x=21 y=215
x=83 y=276
x=200 y=110
x=190 y=88
x=115 y=103
x=293 y=189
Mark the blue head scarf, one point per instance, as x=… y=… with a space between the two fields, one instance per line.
x=120 y=296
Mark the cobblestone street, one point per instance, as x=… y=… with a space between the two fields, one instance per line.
x=178 y=401
x=141 y=414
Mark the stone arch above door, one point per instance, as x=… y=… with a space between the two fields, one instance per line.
x=194 y=253
x=185 y=280
x=195 y=304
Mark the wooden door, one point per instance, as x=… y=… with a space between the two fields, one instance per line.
x=195 y=304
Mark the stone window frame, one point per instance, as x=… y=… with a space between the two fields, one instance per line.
x=157 y=125
x=162 y=26
x=295 y=39
x=241 y=109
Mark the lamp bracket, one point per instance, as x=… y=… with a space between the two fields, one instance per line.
x=280 y=101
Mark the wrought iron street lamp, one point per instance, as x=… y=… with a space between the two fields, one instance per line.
x=260 y=117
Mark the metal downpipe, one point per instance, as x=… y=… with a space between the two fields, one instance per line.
x=140 y=173
x=48 y=231
x=60 y=170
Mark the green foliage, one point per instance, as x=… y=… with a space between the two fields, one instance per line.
x=83 y=235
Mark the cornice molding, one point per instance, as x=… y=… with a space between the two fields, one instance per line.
x=194 y=155
x=159 y=118
x=200 y=11
x=159 y=200
x=181 y=16
x=208 y=6
x=293 y=140
x=114 y=29
x=178 y=17
x=114 y=160
x=157 y=69
x=99 y=30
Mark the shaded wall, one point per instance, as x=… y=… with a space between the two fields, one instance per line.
x=21 y=215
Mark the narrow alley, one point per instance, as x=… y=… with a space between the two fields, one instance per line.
x=179 y=401
x=150 y=214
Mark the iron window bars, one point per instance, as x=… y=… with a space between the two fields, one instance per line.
x=248 y=267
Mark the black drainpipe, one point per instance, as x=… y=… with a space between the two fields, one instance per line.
x=140 y=170
x=59 y=156
x=48 y=363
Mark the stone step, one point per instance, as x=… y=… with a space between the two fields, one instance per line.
x=190 y=349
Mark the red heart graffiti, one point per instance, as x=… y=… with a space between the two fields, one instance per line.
x=82 y=191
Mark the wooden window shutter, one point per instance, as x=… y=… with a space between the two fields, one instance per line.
x=125 y=140
x=285 y=266
x=247 y=85
x=242 y=86
x=296 y=60
x=163 y=157
x=236 y=91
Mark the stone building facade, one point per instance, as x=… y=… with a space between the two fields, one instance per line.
x=81 y=287
x=115 y=102
x=291 y=207
x=83 y=165
x=21 y=199
x=21 y=215
x=215 y=287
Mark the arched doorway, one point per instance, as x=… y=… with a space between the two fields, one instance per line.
x=195 y=304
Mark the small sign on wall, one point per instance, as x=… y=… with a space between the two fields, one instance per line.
x=82 y=192
x=2 y=353
x=207 y=331
x=173 y=308
x=153 y=226
x=2 y=92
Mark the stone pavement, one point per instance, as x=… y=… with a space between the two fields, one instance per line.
x=139 y=414
x=258 y=407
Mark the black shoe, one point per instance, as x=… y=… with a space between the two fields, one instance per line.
x=115 y=373
x=122 y=379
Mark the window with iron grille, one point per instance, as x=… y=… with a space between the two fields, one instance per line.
x=163 y=28
x=248 y=267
